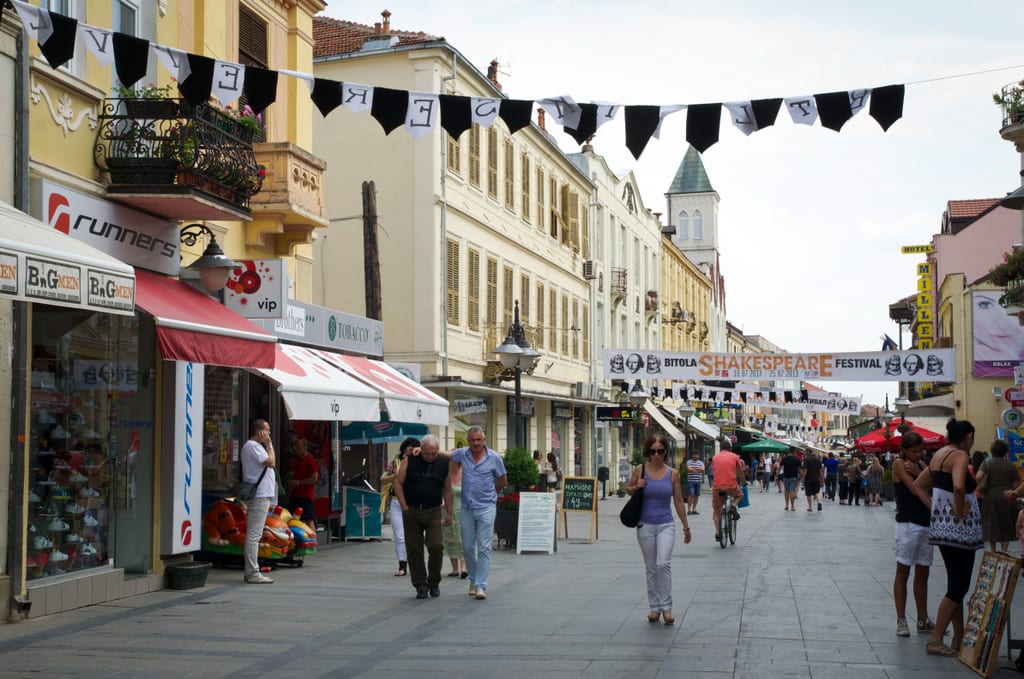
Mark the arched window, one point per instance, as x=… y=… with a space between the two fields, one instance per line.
x=698 y=226
x=683 y=231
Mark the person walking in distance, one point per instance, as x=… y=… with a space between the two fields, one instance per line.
x=854 y=476
x=811 y=473
x=483 y=477
x=789 y=470
x=656 y=533
x=831 y=465
x=302 y=484
x=912 y=549
x=424 y=491
x=257 y=457
x=695 y=480
x=729 y=474
x=844 y=482
x=394 y=507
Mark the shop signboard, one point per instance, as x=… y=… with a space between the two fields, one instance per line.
x=258 y=288
x=127 y=234
x=327 y=328
x=183 y=501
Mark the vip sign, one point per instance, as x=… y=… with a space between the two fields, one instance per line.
x=925 y=326
x=258 y=288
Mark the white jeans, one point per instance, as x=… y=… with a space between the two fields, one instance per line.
x=398 y=528
x=656 y=543
x=255 y=518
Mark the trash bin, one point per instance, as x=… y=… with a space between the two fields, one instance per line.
x=187 y=574
x=745 y=502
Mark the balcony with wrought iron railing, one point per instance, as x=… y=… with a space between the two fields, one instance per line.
x=175 y=160
x=618 y=287
x=1010 y=100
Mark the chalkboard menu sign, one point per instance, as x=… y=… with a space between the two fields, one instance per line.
x=579 y=494
x=988 y=610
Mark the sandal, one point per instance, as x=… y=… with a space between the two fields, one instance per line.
x=653 y=616
x=453 y=574
x=939 y=648
x=667 y=616
x=400 y=573
x=956 y=643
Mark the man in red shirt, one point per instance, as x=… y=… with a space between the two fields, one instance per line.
x=729 y=474
x=302 y=485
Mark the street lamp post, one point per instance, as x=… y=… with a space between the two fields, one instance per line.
x=887 y=418
x=637 y=396
x=517 y=355
x=902 y=405
x=686 y=411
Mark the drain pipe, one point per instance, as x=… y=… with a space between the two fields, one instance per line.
x=444 y=243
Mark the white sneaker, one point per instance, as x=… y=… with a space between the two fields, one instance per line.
x=74 y=539
x=88 y=491
x=56 y=556
x=32 y=497
x=90 y=521
x=42 y=542
x=472 y=589
x=258 y=579
x=74 y=508
x=57 y=525
x=480 y=593
x=87 y=550
x=61 y=464
x=78 y=478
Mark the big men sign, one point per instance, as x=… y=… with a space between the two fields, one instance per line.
x=931 y=365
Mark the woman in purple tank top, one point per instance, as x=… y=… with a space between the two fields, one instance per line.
x=656 y=533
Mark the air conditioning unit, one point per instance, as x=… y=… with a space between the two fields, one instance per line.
x=582 y=390
x=589 y=272
x=687 y=316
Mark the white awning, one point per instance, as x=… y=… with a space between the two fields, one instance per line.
x=41 y=264
x=708 y=431
x=664 y=422
x=405 y=400
x=313 y=389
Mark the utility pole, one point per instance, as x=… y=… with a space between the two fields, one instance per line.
x=371 y=254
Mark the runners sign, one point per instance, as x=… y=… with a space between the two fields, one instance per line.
x=931 y=365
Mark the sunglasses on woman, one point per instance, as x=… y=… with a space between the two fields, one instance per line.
x=657 y=451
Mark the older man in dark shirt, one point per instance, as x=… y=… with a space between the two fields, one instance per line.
x=421 y=486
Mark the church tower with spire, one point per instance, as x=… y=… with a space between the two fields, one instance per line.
x=693 y=222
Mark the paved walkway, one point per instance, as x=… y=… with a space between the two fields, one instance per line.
x=800 y=595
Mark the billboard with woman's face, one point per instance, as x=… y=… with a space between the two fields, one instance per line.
x=998 y=337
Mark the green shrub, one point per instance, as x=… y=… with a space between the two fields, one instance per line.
x=521 y=469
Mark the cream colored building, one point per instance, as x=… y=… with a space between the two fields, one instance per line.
x=685 y=298
x=467 y=228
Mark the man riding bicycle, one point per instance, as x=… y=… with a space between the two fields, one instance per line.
x=729 y=474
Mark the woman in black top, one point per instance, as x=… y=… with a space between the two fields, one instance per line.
x=955 y=527
x=912 y=548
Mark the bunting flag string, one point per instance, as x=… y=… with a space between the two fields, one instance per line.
x=761 y=397
x=201 y=77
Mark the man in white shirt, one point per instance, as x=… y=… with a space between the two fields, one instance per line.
x=257 y=468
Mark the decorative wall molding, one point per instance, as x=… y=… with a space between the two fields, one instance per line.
x=63 y=114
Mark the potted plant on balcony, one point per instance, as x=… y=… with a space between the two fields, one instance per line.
x=1011 y=99
x=147 y=101
x=1010 y=275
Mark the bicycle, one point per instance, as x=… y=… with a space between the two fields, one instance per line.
x=727 y=520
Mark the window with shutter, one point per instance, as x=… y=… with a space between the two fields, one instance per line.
x=452 y=282
x=492 y=163
x=540 y=315
x=252 y=51
x=524 y=298
x=473 y=294
x=553 y=207
x=565 y=324
x=552 y=318
x=575 y=328
x=474 y=155
x=510 y=175
x=525 y=201
x=585 y=328
x=540 y=198
x=509 y=295
x=585 y=231
x=492 y=292
x=454 y=154
x=564 y=214
x=574 y=220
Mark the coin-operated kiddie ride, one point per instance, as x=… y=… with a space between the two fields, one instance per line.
x=286 y=538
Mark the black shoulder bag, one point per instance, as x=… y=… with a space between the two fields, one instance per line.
x=247 y=491
x=630 y=514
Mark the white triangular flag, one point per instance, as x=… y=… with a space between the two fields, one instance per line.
x=662 y=112
x=228 y=78
x=356 y=98
x=564 y=110
x=484 y=110
x=421 y=113
x=36 y=21
x=99 y=41
x=802 y=110
x=742 y=115
x=174 y=60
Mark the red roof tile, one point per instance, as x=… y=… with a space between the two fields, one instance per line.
x=968 y=209
x=332 y=37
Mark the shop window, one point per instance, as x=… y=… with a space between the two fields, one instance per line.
x=471 y=411
x=221 y=434
x=91 y=470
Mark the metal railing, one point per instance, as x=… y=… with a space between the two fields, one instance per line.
x=166 y=142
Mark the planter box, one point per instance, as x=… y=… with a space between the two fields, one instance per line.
x=142 y=170
x=188 y=574
x=151 y=108
x=506 y=526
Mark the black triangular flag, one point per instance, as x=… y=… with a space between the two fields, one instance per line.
x=641 y=122
x=517 y=113
x=587 y=125
x=833 y=109
x=887 y=104
x=456 y=114
x=131 y=56
x=326 y=95
x=60 y=47
x=259 y=88
x=765 y=111
x=787 y=397
x=196 y=87
x=702 y=125
x=389 y=108
x=803 y=396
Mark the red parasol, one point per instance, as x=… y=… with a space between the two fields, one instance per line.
x=874 y=442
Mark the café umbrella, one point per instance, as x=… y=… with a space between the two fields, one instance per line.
x=875 y=441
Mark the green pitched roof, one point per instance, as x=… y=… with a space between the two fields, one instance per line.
x=691 y=176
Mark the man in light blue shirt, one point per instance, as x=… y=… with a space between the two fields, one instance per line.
x=483 y=477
